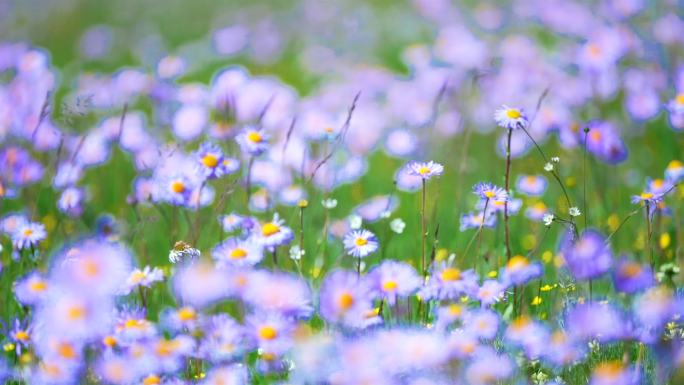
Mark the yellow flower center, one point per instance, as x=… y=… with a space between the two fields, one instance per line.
x=675 y=164
x=39 y=286
x=451 y=274
x=679 y=99
x=630 y=269
x=608 y=370
x=178 y=187
x=76 y=313
x=28 y=232
x=489 y=194
x=166 y=348
x=254 y=136
x=21 y=335
x=267 y=333
x=658 y=183
x=513 y=113
x=187 y=314
x=531 y=179
x=595 y=135
x=424 y=170
x=109 y=341
x=238 y=253
x=66 y=350
x=389 y=285
x=90 y=268
x=137 y=276
x=346 y=301
x=210 y=161
x=455 y=310
x=269 y=229
x=152 y=379
x=517 y=262
x=646 y=195
x=361 y=241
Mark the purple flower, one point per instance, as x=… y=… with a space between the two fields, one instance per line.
x=587 y=257
x=488 y=191
x=71 y=201
x=449 y=282
x=253 y=141
x=510 y=117
x=28 y=235
x=425 y=170
x=393 y=279
x=360 y=243
x=532 y=185
x=345 y=299
x=631 y=277
x=519 y=271
x=600 y=321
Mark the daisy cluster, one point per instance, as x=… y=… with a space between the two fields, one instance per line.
x=161 y=227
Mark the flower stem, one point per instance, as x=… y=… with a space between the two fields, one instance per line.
x=507 y=186
x=424 y=231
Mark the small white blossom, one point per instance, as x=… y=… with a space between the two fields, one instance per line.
x=385 y=214
x=548 y=167
x=397 y=225
x=555 y=159
x=574 y=211
x=329 y=203
x=548 y=219
x=296 y=253
x=355 y=221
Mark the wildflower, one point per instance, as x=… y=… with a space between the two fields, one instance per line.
x=360 y=243
x=393 y=279
x=532 y=185
x=614 y=373
x=200 y=284
x=345 y=299
x=589 y=256
x=475 y=221
x=490 y=292
x=674 y=171
x=283 y=293
x=482 y=323
x=605 y=143
x=531 y=335
x=177 y=190
x=548 y=219
x=548 y=167
x=145 y=278
x=510 y=118
x=599 y=321
x=355 y=221
x=182 y=253
x=425 y=170
x=574 y=211
x=231 y=222
x=519 y=270
x=211 y=162
x=397 y=225
x=630 y=277
x=488 y=191
x=329 y=203
x=274 y=233
x=31 y=289
x=555 y=159
x=28 y=235
x=253 y=141
x=71 y=201
x=449 y=282
x=271 y=332
x=238 y=252
x=377 y=207
x=488 y=367
x=296 y=253
x=676 y=105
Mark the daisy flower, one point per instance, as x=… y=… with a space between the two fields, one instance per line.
x=490 y=292
x=238 y=252
x=676 y=105
x=631 y=277
x=519 y=270
x=360 y=243
x=71 y=201
x=28 y=235
x=587 y=257
x=271 y=332
x=177 y=190
x=210 y=160
x=253 y=141
x=31 y=289
x=614 y=373
x=537 y=211
x=477 y=220
x=274 y=233
x=145 y=277
x=482 y=323
x=488 y=191
x=345 y=300
x=532 y=185
x=393 y=279
x=646 y=197
x=674 y=171
x=449 y=282
x=510 y=117
x=425 y=170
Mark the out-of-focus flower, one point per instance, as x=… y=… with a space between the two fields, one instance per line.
x=344 y=299
x=587 y=257
x=630 y=277
x=391 y=280
x=145 y=277
x=574 y=211
x=329 y=203
x=548 y=219
x=532 y=185
x=253 y=141
x=28 y=235
x=238 y=252
x=397 y=225
x=519 y=270
x=274 y=233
